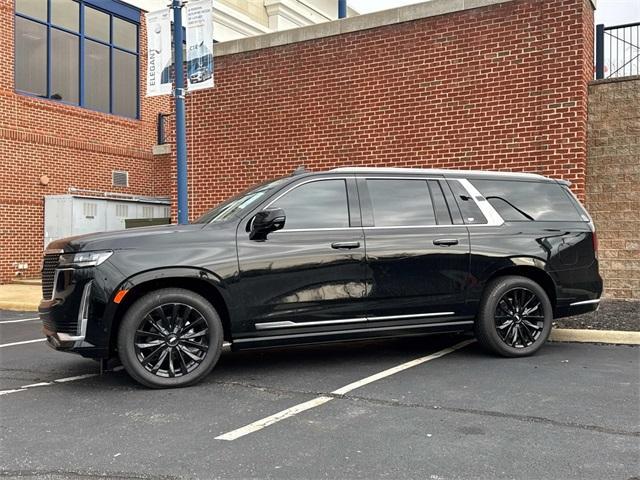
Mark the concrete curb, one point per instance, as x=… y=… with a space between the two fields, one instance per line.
x=19 y=306
x=616 y=337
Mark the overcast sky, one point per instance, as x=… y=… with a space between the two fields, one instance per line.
x=609 y=12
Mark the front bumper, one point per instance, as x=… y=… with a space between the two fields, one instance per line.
x=72 y=317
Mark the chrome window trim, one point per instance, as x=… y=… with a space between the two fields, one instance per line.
x=311 y=180
x=585 y=302
x=493 y=218
x=290 y=324
x=490 y=213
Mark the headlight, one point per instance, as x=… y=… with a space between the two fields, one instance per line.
x=84 y=259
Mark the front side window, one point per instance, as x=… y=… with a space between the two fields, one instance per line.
x=398 y=203
x=520 y=201
x=319 y=204
x=71 y=52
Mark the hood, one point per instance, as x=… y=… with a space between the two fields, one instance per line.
x=123 y=239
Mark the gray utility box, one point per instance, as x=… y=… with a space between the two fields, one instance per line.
x=69 y=215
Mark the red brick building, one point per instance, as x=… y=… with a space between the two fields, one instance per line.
x=70 y=145
x=483 y=84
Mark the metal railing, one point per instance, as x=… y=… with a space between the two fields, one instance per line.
x=617 y=50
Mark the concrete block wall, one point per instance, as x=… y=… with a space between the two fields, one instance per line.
x=613 y=182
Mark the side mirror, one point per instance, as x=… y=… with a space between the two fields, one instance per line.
x=265 y=222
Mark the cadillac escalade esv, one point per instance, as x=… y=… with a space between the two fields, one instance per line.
x=345 y=254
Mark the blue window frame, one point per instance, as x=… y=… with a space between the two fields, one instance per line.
x=79 y=52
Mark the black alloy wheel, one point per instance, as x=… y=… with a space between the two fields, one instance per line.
x=515 y=316
x=519 y=318
x=170 y=338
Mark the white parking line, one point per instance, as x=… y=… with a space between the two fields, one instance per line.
x=48 y=384
x=5 y=392
x=19 y=320
x=22 y=343
x=316 y=402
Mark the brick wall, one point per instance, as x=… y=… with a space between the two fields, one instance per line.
x=72 y=146
x=613 y=182
x=502 y=87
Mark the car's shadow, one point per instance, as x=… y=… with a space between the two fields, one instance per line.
x=270 y=366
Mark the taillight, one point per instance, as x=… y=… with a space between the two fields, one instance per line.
x=594 y=240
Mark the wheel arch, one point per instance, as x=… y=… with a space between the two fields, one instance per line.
x=535 y=273
x=196 y=280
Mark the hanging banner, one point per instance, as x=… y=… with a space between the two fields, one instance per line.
x=159 y=53
x=199 y=28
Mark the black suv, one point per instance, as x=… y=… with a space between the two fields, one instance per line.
x=346 y=254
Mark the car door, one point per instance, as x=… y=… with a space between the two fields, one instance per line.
x=417 y=258
x=308 y=276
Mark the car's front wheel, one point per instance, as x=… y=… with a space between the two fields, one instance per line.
x=170 y=338
x=515 y=317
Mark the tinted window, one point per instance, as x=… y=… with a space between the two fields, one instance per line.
x=125 y=34
x=33 y=8
x=64 y=66
x=321 y=204
x=439 y=203
x=65 y=13
x=125 y=84
x=96 y=24
x=400 y=203
x=96 y=76
x=471 y=213
x=31 y=57
x=517 y=201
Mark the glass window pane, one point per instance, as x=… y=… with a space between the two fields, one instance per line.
x=471 y=213
x=125 y=34
x=321 y=204
x=33 y=8
x=65 y=13
x=525 y=201
x=96 y=24
x=96 y=76
x=64 y=66
x=31 y=57
x=401 y=203
x=125 y=84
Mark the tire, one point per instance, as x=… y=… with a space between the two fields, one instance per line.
x=509 y=323
x=170 y=338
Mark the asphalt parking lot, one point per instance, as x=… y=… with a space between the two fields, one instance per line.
x=572 y=411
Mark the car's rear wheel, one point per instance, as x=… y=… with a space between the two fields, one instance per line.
x=515 y=317
x=170 y=338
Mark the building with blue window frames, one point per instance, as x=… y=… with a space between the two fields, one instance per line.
x=74 y=118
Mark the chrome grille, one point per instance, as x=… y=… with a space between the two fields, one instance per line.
x=48 y=271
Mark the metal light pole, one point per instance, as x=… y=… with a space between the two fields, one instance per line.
x=181 y=127
x=342 y=8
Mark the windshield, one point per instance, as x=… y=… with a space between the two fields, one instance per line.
x=236 y=204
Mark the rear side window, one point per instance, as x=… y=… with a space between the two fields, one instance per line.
x=518 y=201
x=398 y=203
x=471 y=213
x=320 y=204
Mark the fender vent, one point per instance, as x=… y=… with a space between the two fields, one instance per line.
x=120 y=178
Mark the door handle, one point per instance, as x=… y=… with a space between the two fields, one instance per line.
x=345 y=245
x=446 y=242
